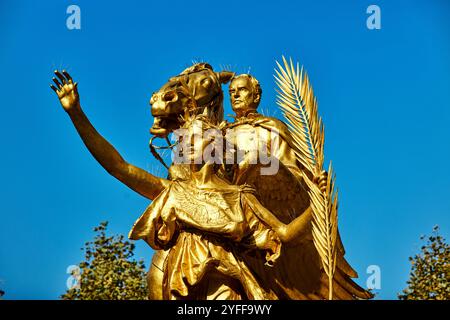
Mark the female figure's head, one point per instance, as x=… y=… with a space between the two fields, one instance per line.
x=200 y=141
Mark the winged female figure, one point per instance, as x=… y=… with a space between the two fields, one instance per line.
x=217 y=239
x=209 y=224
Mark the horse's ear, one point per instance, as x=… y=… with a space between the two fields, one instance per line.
x=225 y=76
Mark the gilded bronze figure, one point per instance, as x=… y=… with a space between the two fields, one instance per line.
x=226 y=223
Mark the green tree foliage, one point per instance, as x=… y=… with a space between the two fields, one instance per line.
x=2 y=293
x=108 y=272
x=430 y=271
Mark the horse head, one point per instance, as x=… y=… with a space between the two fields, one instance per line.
x=198 y=89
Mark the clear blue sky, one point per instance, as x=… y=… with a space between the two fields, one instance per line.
x=384 y=96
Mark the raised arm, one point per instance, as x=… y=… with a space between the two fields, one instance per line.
x=135 y=178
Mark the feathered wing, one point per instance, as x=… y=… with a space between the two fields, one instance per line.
x=297 y=101
x=298 y=272
x=308 y=269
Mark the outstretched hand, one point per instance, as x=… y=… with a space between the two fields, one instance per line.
x=66 y=90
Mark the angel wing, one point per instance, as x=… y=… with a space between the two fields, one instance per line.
x=315 y=268
x=298 y=273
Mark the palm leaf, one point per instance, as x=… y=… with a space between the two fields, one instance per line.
x=324 y=225
x=299 y=106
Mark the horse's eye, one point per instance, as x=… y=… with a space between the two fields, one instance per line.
x=206 y=83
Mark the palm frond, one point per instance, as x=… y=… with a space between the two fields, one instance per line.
x=299 y=106
x=324 y=223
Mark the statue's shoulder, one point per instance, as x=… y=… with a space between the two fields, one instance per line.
x=265 y=122
x=272 y=123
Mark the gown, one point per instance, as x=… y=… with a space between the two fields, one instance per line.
x=210 y=234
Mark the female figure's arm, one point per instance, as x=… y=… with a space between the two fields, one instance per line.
x=286 y=232
x=135 y=178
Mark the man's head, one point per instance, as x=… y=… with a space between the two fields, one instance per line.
x=245 y=94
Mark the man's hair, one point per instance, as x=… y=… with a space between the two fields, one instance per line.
x=253 y=81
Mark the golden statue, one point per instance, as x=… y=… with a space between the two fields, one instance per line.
x=221 y=229
x=212 y=227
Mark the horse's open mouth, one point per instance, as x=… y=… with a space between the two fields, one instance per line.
x=162 y=126
x=160 y=132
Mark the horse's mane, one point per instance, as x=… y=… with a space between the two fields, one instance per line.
x=196 y=68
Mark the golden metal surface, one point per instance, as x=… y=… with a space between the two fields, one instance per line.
x=223 y=230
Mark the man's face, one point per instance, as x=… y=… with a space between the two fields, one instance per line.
x=242 y=95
